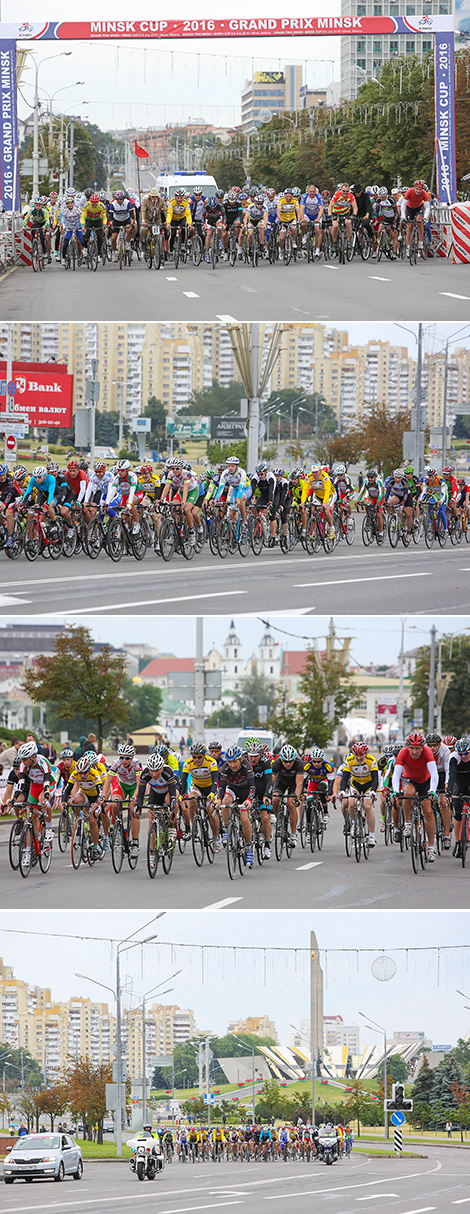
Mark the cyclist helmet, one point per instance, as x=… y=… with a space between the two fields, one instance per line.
x=197 y=748
x=40 y=472
x=3 y=469
x=449 y=740
x=91 y=755
x=162 y=750
x=120 y=195
x=296 y=192
x=146 y=470
x=233 y=459
x=254 y=747
x=84 y=465
x=197 y=190
x=288 y=190
x=433 y=739
x=66 y=753
x=242 y=197
x=398 y=474
x=219 y=193
x=250 y=741
x=325 y=194
x=317 y=754
x=214 y=746
x=88 y=193
x=100 y=469
x=397 y=747
x=447 y=471
x=213 y=202
x=262 y=467
x=259 y=199
x=95 y=199
x=409 y=470
x=297 y=474
x=340 y=469
x=433 y=472
x=20 y=472
x=126 y=751
x=233 y=752
x=84 y=763
x=156 y=763
x=103 y=195
x=383 y=191
x=415 y=739
x=462 y=746
x=70 y=192
x=232 y=196
x=73 y=463
x=27 y=751
x=419 y=185
x=359 y=749
x=278 y=472
x=287 y=753
x=270 y=193
x=53 y=469
x=388 y=749
x=123 y=465
x=356 y=188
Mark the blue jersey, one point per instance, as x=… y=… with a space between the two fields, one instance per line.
x=271 y=208
x=45 y=486
x=312 y=205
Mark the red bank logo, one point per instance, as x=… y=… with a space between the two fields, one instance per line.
x=32 y=385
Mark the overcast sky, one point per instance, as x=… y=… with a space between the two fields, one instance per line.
x=153 y=83
x=376 y=640
x=421 y=996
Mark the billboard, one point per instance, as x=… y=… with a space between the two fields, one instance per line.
x=268 y=78
x=43 y=390
x=387 y=708
x=231 y=428
x=188 y=427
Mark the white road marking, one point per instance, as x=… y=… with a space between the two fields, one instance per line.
x=313 y=864
x=422 y=1210
x=227 y=319
x=452 y=295
x=220 y=905
x=384 y=577
x=212 y=1206
x=183 y=598
x=459 y=1201
x=171 y=279
x=190 y=295
x=379 y=278
x=302 y=310
x=364 y=1184
x=328 y=267
x=7 y=600
x=374 y=1196
x=97 y=1201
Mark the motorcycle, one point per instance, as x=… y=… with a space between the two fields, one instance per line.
x=328 y=1147
x=147 y=1160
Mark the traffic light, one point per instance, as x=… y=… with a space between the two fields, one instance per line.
x=399 y=1100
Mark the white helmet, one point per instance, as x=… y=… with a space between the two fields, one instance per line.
x=27 y=751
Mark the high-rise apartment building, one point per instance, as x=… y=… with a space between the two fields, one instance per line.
x=277 y=92
x=364 y=55
x=260 y=1026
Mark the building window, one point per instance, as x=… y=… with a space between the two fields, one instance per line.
x=393 y=47
x=427 y=45
x=410 y=48
x=376 y=64
x=235 y=653
x=361 y=63
x=443 y=8
x=361 y=45
x=235 y=670
x=394 y=10
x=411 y=10
x=271 y=669
x=361 y=10
x=377 y=48
x=377 y=10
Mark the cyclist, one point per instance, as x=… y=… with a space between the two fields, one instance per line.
x=441 y=754
x=263 y=774
x=361 y=775
x=38 y=218
x=435 y=490
x=196 y=203
x=288 y=219
x=320 y=772
x=98 y=482
x=178 y=215
x=386 y=211
x=256 y=218
x=71 y=221
x=415 y=204
x=64 y=495
x=237 y=783
x=94 y=217
x=153 y=211
x=161 y=781
x=322 y=491
x=453 y=490
x=398 y=493
x=344 y=487
x=288 y=772
x=121 y=215
x=123 y=489
x=237 y=482
x=77 y=479
x=364 y=208
x=342 y=203
x=311 y=214
x=234 y=219
x=9 y=495
x=87 y=777
x=37 y=773
x=372 y=494
x=213 y=216
x=44 y=484
x=215 y=751
x=416 y=770
x=184 y=488
x=271 y=204
x=203 y=771
x=122 y=778
x=459 y=783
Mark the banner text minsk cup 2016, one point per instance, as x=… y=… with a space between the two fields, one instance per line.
x=441 y=28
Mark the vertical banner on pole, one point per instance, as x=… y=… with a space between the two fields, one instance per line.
x=444 y=85
x=398 y=1140
x=9 y=180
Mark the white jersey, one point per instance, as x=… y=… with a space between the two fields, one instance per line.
x=125 y=772
x=233 y=479
x=97 y=484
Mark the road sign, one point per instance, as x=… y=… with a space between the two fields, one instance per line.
x=11 y=388
x=10 y=442
x=209 y=1098
x=398 y=1140
x=397 y=1118
x=16 y=431
x=16 y=419
x=141 y=423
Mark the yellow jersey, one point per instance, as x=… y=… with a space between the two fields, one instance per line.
x=151 y=485
x=94 y=215
x=179 y=210
x=321 y=485
x=89 y=781
x=360 y=769
x=201 y=772
x=287 y=211
x=301 y=492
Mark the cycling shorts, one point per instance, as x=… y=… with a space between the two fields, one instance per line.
x=121 y=790
x=236 y=493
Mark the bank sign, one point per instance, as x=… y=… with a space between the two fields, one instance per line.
x=44 y=391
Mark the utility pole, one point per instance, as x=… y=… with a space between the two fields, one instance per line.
x=417 y=458
x=401 y=663
x=253 y=408
x=444 y=413
x=208 y=1082
x=72 y=151
x=92 y=398
x=432 y=680
x=199 y=682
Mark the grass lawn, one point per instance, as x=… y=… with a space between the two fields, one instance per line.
x=105 y=1150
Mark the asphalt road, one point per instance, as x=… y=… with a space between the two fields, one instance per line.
x=435 y=290
x=326 y=879
x=365 y=581
x=403 y=1186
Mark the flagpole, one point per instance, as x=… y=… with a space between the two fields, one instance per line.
x=138 y=178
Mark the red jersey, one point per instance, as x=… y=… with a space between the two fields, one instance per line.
x=415 y=769
x=342 y=204
x=415 y=200
x=75 y=482
x=453 y=487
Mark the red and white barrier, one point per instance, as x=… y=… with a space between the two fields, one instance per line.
x=461 y=231
x=441 y=228
x=23 y=246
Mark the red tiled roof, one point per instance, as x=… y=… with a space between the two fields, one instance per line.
x=159 y=667
x=293 y=661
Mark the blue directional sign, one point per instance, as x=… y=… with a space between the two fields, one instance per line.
x=397 y=1118
x=11 y=387
x=209 y=1099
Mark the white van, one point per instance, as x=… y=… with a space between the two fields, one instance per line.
x=265 y=736
x=169 y=182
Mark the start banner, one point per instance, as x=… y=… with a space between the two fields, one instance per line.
x=43 y=390
x=227 y=27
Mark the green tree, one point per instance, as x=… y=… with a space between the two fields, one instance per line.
x=256 y=691
x=358 y=1104
x=52 y=1102
x=381 y=434
x=396 y=1069
x=327 y=696
x=85 y=1085
x=455 y=657
x=223 y=718
x=461 y=1096
x=23 y=1066
x=461 y=1053
x=215 y=401
x=270 y=1098
x=217 y=453
x=422 y=1115
x=144 y=703
x=442 y=1097
x=155 y=409
x=76 y=679
x=424 y=1083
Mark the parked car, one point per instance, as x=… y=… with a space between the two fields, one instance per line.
x=44 y=1156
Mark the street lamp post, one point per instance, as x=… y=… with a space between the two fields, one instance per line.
x=250 y=1047
x=378 y=1028
x=312 y=1053
x=37 y=65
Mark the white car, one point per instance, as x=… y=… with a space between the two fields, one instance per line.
x=43 y=1156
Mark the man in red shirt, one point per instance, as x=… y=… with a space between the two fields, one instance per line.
x=343 y=203
x=416 y=771
x=415 y=203
x=77 y=479
x=453 y=490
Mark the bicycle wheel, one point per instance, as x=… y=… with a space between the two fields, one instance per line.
x=14 y=844
x=441 y=533
x=381 y=246
x=429 y=531
x=312 y=539
x=188 y=549
x=367 y=534
x=329 y=542
x=16 y=546
x=181 y=829
x=224 y=536
x=279 y=835
x=358 y=837
x=214 y=254
x=197 y=840
x=288 y=249
x=347 y=835
x=365 y=246
x=414 y=844
x=413 y=247
x=241 y=852
x=117 y=844
x=93 y=539
x=166 y=540
x=197 y=249
x=303 y=824
x=139 y=543
x=69 y=543
x=366 y=845
x=313 y=834
x=55 y=535
x=244 y=539
x=93 y=257
x=153 y=849
x=464 y=839
x=63 y=829
x=45 y=851
x=350 y=530
x=439 y=834
x=32 y=542
x=177 y=250
x=416 y=530
x=233 y=251
x=405 y=534
x=258 y=841
x=288 y=839
x=232 y=849
x=256 y=535
x=320 y=830
x=167 y=844
x=209 y=842
x=25 y=858
x=78 y=840
x=35 y=256
x=392 y=530
x=115 y=540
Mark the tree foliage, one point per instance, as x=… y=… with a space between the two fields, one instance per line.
x=455 y=657
x=396 y=1069
x=86 y=1092
x=144 y=704
x=76 y=679
x=215 y=401
x=327 y=696
x=30 y=1070
x=52 y=1102
x=358 y=1104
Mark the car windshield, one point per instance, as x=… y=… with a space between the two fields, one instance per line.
x=41 y=1142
